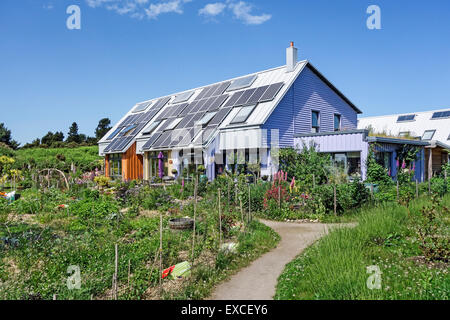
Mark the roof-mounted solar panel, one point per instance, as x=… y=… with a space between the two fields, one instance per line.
x=221 y=89
x=188 y=108
x=218 y=102
x=205 y=106
x=244 y=98
x=220 y=116
x=161 y=103
x=161 y=142
x=186 y=119
x=188 y=135
x=271 y=92
x=242 y=83
x=405 y=118
x=114 y=134
x=254 y=98
x=151 y=141
x=204 y=136
x=176 y=110
x=197 y=106
x=441 y=114
x=163 y=126
x=235 y=97
x=182 y=97
x=149 y=115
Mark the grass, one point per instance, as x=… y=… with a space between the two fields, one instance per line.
x=386 y=236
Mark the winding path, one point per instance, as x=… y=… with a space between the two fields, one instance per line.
x=259 y=279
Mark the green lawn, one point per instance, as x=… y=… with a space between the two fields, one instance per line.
x=386 y=236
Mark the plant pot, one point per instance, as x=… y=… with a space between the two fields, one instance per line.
x=181 y=223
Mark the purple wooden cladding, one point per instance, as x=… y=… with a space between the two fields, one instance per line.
x=293 y=113
x=336 y=143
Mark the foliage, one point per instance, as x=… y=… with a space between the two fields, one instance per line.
x=104 y=125
x=102 y=181
x=6 y=138
x=376 y=173
x=304 y=164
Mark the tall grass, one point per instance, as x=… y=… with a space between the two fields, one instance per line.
x=335 y=267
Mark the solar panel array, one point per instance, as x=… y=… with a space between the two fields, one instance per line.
x=210 y=100
x=409 y=117
x=132 y=125
x=441 y=114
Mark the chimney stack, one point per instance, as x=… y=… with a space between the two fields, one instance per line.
x=291 y=57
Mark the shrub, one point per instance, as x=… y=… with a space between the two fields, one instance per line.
x=102 y=181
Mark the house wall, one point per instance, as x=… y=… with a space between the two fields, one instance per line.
x=132 y=164
x=107 y=165
x=293 y=113
x=336 y=143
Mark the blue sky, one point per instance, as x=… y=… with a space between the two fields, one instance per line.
x=132 y=50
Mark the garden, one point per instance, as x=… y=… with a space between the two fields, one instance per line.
x=72 y=233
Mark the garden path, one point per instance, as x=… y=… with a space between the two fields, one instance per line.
x=258 y=280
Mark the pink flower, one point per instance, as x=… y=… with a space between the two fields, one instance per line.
x=293 y=182
x=403 y=164
x=398 y=163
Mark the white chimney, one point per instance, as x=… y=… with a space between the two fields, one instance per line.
x=291 y=58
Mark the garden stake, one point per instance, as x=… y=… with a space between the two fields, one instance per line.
x=195 y=216
x=335 y=204
x=220 y=223
x=429 y=186
x=242 y=212
x=398 y=195
x=417 y=188
x=153 y=265
x=116 y=262
x=249 y=205
x=160 y=254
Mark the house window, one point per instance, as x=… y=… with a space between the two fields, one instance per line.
x=348 y=162
x=153 y=163
x=384 y=159
x=428 y=134
x=115 y=165
x=337 y=122
x=315 y=121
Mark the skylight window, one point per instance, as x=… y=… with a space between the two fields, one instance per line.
x=441 y=114
x=405 y=118
x=206 y=119
x=243 y=114
x=173 y=124
x=128 y=129
x=428 y=134
x=115 y=133
x=151 y=128
x=182 y=97
x=242 y=83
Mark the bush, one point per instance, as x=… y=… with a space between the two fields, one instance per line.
x=102 y=181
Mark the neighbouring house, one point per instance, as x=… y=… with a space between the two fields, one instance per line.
x=349 y=150
x=431 y=126
x=238 y=121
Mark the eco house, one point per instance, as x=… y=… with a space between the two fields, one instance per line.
x=241 y=120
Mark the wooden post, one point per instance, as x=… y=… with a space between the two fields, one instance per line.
x=398 y=191
x=249 y=204
x=429 y=186
x=242 y=211
x=335 y=202
x=195 y=218
x=417 y=188
x=116 y=266
x=371 y=190
x=220 y=223
x=430 y=164
x=160 y=254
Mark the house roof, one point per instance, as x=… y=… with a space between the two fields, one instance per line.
x=160 y=113
x=414 y=123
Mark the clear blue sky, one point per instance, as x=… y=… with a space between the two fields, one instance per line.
x=131 y=50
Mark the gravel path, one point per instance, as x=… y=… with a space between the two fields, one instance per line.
x=259 y=279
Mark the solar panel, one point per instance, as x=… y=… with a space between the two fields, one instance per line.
x=185 y=121
x=235 y=97
x=242 y=83
x=139 y=127
x=139 y=118
x=149 y=115
x=186 y=137
x=257 y=95
x=441 y=114
x=211 y=91
x=151 y=141
x=163 y=114
x=183 y=97
x=127 y=130
x=161 y=140
x=123 y=144
x=164 y=125
x=197 y=106
x=115 y=144
x=115 y=132
x=221 y=89
x=194 y=119
x=220 y=116
x=244 y=98
x=161 y=103
x=409 y=117
x=217 y=102
x=176 y=110
x=205 y=106
x=108 y=147
x=204 y=136
x=271 y=92
x=141 y=107
x=188 y=109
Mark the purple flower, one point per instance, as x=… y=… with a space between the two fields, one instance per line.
x=403 y=164
x=398 y=163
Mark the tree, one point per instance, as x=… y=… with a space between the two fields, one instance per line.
x=5 y=137
x=72 y=135
x=51 y=138
x=102 y=128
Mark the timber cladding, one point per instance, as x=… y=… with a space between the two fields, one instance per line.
x=132 y=164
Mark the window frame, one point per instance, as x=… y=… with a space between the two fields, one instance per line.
x=432 y=135
x=317 y=127
x=252 y=106
x=334 y=122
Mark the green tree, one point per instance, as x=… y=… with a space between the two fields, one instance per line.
x=72 y=135
x=104 y=125
x=6 y=138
